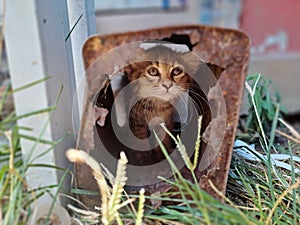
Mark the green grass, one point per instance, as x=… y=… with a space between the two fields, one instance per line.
x=16 y=196
x=258 y=192
x=262 y=104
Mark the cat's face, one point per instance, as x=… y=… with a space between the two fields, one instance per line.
x=162 y=80
x=164 y=77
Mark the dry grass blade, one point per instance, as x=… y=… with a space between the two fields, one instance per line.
x=296 y=136
x=140 y=213
x=229 y=201
x=197 y=144
x=118 y=188
x=288 y=136
x=85 y=213
x=111 y=198
x=79 y=156
x=108 y=174
x=165 y=221
x=291 y=129
x=11 y=158
x=281 y=197
x=181 y=148
x=252 y=93
x=111 y=179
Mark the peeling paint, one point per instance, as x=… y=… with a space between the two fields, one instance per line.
x=273 y=43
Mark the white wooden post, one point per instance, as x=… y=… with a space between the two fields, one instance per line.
x=36 y=48
x=82 y=22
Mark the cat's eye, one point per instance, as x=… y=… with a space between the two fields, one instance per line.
x=153 y=71
x=176 y=71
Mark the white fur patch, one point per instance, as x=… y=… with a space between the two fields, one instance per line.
x=179 y=48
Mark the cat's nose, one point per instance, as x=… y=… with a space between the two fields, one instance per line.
x=167 y=84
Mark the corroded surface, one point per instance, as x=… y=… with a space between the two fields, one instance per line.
x=225 y=47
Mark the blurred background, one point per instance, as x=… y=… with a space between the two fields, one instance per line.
x=44 y=38
x=271 y=25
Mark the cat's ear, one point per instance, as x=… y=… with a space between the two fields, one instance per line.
x=132 y=63
x=216 y=69
x=140 y=55
x=128 y=69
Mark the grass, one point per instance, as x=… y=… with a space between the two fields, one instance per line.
x=259 y=191
x=15 y=194
x=262 y=102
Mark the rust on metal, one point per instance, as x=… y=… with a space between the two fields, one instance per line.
x=225 y=47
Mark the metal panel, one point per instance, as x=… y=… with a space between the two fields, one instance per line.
x=224 y=47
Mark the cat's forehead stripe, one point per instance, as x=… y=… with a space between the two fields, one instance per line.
x=174 y=47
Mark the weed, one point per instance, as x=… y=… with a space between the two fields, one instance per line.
x=262 y=104
x=15 y=194
x=261 y=188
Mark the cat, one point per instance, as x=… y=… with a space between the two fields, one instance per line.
x=159 y=78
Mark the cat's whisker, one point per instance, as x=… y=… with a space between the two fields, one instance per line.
x=163 y=92
x=183 y=99
x=191 y=106
x=197 y=92
x=195 y=105
x=196 y=97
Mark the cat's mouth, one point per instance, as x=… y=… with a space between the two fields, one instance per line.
x=167 y=95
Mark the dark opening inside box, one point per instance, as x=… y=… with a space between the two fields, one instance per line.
x=220 y=105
